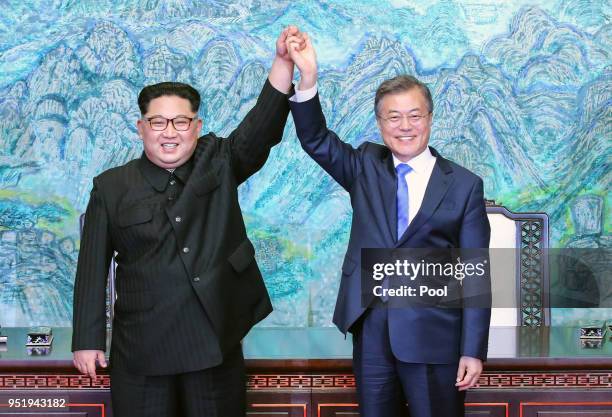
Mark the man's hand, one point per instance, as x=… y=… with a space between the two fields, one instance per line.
x=304 y=57
x=468 y=372
x=85 y=361
x=281 y=74
x=281 y=42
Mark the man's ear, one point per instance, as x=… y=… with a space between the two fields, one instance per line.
x=199 y=126
x=140 y=126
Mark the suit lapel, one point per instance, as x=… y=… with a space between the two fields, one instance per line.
x=388 y=189
x=437 y=187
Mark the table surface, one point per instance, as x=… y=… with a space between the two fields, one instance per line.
x=554 y=346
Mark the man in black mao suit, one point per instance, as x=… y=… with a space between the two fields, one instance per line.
x=404 y=195
x=188 y=286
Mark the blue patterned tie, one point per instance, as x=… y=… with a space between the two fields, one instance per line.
x=402 y=212
x=402 y=199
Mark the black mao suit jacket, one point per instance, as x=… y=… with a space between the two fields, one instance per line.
x=188 y=286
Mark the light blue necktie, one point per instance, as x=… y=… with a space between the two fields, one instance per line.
x=402 y=211
x=402 y=199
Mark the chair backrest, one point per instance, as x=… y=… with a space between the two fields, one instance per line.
x=519 y=242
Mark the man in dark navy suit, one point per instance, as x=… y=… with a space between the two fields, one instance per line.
x=404 y=195
x=188 y=286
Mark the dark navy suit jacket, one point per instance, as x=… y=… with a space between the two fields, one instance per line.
x=452 y=215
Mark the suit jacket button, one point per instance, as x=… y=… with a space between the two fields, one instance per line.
x=185 y=249
x=196 y=279
x=170 y=198
x=172 y=182
x=178 y=219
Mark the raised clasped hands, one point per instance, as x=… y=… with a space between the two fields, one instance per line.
x=281 y=74
x=293 y=48
x=301 y=52
x=281 y=43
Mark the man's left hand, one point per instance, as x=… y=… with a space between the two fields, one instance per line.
x=468 y=372
x=305 y=59
x=281 y=47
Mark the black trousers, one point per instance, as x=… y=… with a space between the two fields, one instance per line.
x=213 y=392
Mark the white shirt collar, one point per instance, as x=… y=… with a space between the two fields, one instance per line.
x=419 y=163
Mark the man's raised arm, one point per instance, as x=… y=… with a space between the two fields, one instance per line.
x=263 y=126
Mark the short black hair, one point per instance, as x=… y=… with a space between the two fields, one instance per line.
x=400 y=84
x=181 y=90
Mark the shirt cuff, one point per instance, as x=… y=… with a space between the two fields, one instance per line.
x=301 y=96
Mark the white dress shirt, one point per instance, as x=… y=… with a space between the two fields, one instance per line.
x=301 y=96
x=417 y=179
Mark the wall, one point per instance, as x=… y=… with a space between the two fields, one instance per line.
x=522 y=94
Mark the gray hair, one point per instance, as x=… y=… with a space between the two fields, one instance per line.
x=400 y=84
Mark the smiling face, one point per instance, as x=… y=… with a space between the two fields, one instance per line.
x=407 y=139
x=169 y=148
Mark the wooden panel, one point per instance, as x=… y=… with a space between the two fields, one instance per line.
x=47 y=414
x=334 y=403
x=566 y=409
x=487 y=409
x=83 y=410
x=480 y=413
x=277 y=410
x=78 y=402
x=518 y=393
x=337 y=410
x=92 y=410
x=599 y=413
x=278 y=403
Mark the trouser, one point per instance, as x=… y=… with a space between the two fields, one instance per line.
x=385 y=384
x=212 y=392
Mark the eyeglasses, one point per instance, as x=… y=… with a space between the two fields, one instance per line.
x=396 y=119
x=180 y=123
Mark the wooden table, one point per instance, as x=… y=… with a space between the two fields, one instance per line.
x=307 y=372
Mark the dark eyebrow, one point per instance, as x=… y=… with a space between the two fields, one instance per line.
x=178 y=115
